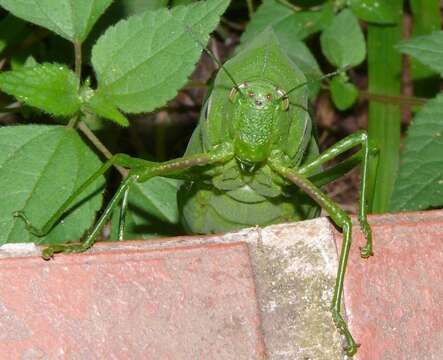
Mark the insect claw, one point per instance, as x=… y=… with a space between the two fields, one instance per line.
x=366 y=252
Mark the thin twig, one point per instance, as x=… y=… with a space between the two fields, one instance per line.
x=99 y=145
x=78 y=59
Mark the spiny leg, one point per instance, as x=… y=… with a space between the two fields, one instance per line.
x=358 y=138
x=342 y=220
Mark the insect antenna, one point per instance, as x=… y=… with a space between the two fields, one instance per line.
x=215 y=59
x=334 y=73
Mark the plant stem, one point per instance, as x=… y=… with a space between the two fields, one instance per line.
x=78 y=59
x=99 y=145
x=384 y=74
x=72 y=124
x=78 y=71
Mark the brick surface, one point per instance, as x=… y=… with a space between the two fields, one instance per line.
x=195 y=297
x=194 y=302
x=394 y=299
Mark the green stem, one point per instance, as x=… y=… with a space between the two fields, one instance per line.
x=72 y=124
x=384 y=73
x=78 y=59
x=78 y=71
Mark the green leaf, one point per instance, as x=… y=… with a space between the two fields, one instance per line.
x=50 y=87
x=343 y=93
x=152 y=210
x=100 y=105
x=343 y=42
x=70 y=19
x=281 y=18
x=427 y=49
x=374 y=11
x=40 y=167
x=419 y=184
x=141 y=62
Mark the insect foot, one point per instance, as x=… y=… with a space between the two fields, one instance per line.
x=366 y=251
x=49 y=252
x=351 y=347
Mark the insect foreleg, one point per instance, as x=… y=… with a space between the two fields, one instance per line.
x=141 y=171
x=89 y=241
x=342 y=220
x=122 y=217
x=356 y=139
x=220 y=154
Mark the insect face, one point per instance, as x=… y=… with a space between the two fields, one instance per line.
x=257 y=105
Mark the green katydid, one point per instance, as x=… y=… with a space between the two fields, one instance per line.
x=254 y=141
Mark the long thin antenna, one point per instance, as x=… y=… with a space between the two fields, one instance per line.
x=214 y=58
x=334 y=73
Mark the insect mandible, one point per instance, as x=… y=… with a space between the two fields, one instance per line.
x=253 y=143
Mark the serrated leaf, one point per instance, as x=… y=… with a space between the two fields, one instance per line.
x=50 y=87
x=427 y=49
x=141 y=62
x=152 y=210
x=40 y=167
x=343 y=93
x=374 y=11
x=343 y=42
x=281 y=18
x=70 y=19
x=100 y=105
x=419 y=184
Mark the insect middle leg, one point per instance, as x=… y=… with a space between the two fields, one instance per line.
x=356 y=139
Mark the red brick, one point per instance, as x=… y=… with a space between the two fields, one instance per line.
x=394 y=299
x=194 y=302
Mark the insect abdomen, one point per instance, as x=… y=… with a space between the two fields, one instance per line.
x=204 y=210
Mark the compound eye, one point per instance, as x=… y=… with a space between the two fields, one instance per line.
x=251 y=94
x=269 y=97
x=284 y=98
x=235 y=90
